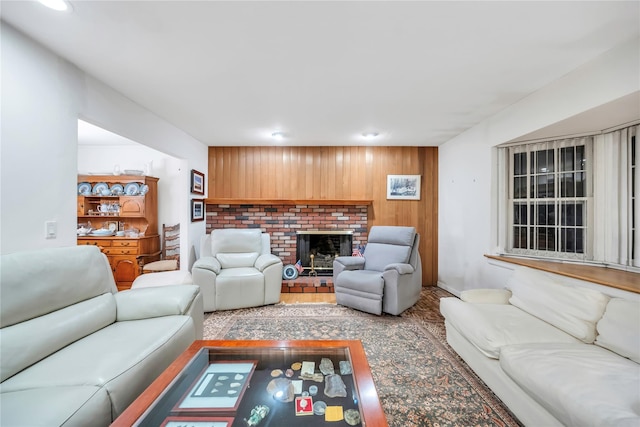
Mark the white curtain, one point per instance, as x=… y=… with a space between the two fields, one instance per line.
x=613 y=198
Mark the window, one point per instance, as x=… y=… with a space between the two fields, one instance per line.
x=635 y=213
x=549 y=195
x=573 y=198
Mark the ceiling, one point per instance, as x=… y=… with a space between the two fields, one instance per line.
x=324 y=72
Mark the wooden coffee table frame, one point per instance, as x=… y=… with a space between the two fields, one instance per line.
x=370 y=408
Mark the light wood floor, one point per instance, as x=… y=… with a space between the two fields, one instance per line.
x=297 y=298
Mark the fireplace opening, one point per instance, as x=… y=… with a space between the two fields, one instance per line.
x=323 y=247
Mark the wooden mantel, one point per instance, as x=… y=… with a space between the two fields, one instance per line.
x=237 y=201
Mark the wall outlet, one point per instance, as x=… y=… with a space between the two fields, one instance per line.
x=50 y=229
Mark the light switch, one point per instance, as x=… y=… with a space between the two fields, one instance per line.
x=50 y=229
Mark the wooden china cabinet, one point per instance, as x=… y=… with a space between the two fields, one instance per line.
x=121 y=212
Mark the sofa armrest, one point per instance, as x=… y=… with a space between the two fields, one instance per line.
x=486 y=296
x=266 y=260
x=144 y=303
x=401 y=268
x=350 y=262
x=208 y=263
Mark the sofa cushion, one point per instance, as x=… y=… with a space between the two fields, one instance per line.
x=34 y=284
x=490 y=327
x=545 y=295
x=580 y=384
x=30 y=341
x=140 y=350
x=619 y=328
x=486 y=296
x=56 y=406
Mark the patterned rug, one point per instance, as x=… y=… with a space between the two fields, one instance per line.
x=420 y=380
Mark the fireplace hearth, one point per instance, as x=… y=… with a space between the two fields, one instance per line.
x=322 y=247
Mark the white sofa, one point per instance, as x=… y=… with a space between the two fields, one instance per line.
x=554 y=353
x=76 y=352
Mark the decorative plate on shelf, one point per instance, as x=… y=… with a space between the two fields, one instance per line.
x=144 y=189
x=289 y=272
x=99 y=187
x=117 y=189
x=84 y=187
x=131 y=189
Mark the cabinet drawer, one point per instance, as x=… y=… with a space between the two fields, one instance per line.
x=125 y=243
x=120 y=251
x=101 y=243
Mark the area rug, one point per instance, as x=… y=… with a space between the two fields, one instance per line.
x=420 y=380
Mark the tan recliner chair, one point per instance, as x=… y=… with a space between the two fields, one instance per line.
x=236 y=269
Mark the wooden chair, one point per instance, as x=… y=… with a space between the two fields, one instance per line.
x=169 y=254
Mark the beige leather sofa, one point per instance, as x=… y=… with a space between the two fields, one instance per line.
x=556 y=352
x=76 y=352
x=236 y=269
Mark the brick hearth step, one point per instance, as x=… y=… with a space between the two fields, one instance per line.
x=309 y=285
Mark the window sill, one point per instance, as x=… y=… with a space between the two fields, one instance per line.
x=619 y=279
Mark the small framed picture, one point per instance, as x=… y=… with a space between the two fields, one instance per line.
x=219 y=388
x=197 y=182
x=403 y=187
x=197 y=210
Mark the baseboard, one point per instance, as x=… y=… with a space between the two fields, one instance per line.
x=443 y=285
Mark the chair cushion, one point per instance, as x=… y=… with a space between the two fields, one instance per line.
x=361 y=280
x=236 y=247
x=388 y=245
x=392 y=235
x=378 y=255
x=239 y=287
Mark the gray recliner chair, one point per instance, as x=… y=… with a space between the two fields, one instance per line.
x=236 y=269
x=388 y=278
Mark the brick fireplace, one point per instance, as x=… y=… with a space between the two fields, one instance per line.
x=282 y=221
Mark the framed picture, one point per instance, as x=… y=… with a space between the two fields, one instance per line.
x=403 y=187
x=197 y=210
x=197 y=182
x=218 y=389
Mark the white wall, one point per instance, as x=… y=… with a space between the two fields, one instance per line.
x=466 y=194
x=42 y=98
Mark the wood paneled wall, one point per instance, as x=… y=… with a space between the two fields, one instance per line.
x=317 y=173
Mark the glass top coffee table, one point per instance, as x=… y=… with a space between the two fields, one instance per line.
x=261 y=383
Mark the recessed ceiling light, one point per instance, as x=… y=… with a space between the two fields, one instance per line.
x=278 y=135
x=370 y=135
x=59 y=5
